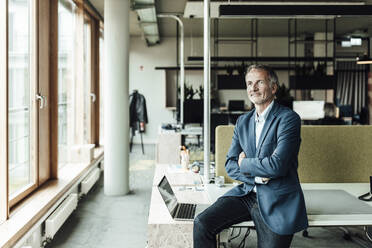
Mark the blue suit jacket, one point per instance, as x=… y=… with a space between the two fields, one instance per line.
x=281 y=201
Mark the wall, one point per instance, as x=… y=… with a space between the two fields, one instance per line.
x=151 y=82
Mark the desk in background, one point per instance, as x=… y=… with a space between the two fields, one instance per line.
x=176 y=175
x=169 y=142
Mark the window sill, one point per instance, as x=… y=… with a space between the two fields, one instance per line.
x=28 y=212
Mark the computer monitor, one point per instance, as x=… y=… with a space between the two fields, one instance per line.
x=309 y=110
x=236 y=105
x=193 y=111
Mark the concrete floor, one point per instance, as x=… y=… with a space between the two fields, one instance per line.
x=102 y=221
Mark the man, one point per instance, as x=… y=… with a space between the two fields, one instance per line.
x=263 y=155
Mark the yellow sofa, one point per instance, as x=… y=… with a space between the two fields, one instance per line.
x=328 y=154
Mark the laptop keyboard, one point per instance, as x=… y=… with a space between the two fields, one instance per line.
x=186 y=211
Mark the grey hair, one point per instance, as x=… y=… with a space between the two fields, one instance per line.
x=273 y=78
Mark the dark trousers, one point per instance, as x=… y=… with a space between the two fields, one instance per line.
x=227 y=211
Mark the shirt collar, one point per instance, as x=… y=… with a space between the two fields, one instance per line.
x=264 y=114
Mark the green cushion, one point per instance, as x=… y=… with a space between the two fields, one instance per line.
x=223 y=142
x=328 y=154
x=335 y=154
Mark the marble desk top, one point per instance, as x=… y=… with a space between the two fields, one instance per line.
x=176 y=175
x=189 y=194
x=354 y=189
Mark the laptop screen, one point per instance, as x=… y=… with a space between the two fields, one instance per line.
x=168 y=195
x=236 y=105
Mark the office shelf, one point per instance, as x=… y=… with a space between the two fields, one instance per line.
x=312 y=82
x=229 y=82
x=263 y=59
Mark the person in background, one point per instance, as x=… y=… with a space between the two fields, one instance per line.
x=263 y=156
x=329 y=116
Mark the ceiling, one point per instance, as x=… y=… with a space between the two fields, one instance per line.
x=242 y=27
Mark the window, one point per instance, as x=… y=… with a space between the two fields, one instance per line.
x=3 y=112
x=101 y=58
x=31 y=64
x=75 y=77
x=88 y=96
x=20 y=110
x=66 y=79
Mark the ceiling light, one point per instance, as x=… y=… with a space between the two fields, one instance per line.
x=356 y=41
x=147 y=19
x=345 y=43
x=194 y=9
x=289 y=10
x=364 y=60
x=147 y=15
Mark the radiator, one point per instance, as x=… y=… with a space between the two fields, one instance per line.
x=59 y=216
x=89 y=181
x=102 y=165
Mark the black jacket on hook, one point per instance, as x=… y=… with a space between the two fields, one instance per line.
x=137 y=110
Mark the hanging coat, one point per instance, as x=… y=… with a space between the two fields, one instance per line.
x=137 y=110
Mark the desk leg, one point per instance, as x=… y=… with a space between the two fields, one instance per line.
x=143 y=151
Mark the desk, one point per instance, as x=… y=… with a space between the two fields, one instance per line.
x=168 y=147
x=169 y=142
x=165 y=232
x=354 y=189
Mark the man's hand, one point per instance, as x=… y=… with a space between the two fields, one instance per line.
x=265 y=179
x=241 y=156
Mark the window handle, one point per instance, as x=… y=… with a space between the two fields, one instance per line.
x=42 y=99
x=94 y=97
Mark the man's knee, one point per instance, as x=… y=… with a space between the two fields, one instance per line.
x=201 y=224
x=198 y=225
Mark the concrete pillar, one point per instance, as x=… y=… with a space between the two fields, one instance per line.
x=116 y=97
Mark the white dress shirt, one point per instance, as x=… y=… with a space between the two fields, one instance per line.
x=260 y=122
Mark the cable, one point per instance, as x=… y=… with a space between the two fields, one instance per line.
x=240 y=229
x=242 y=243
x=368 y=233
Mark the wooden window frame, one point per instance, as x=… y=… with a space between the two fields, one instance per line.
x=95 y=78
x=53 y=88
x=44 y=35
x=95 y=26
x=100 y=94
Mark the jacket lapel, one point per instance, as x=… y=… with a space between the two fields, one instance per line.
x=252 y=133
x=269 y=120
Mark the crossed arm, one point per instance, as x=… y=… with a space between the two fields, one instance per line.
x=244 y=169
x=262 y=180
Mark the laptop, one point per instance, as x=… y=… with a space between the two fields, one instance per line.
x=236 y=105
x=178 y=211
